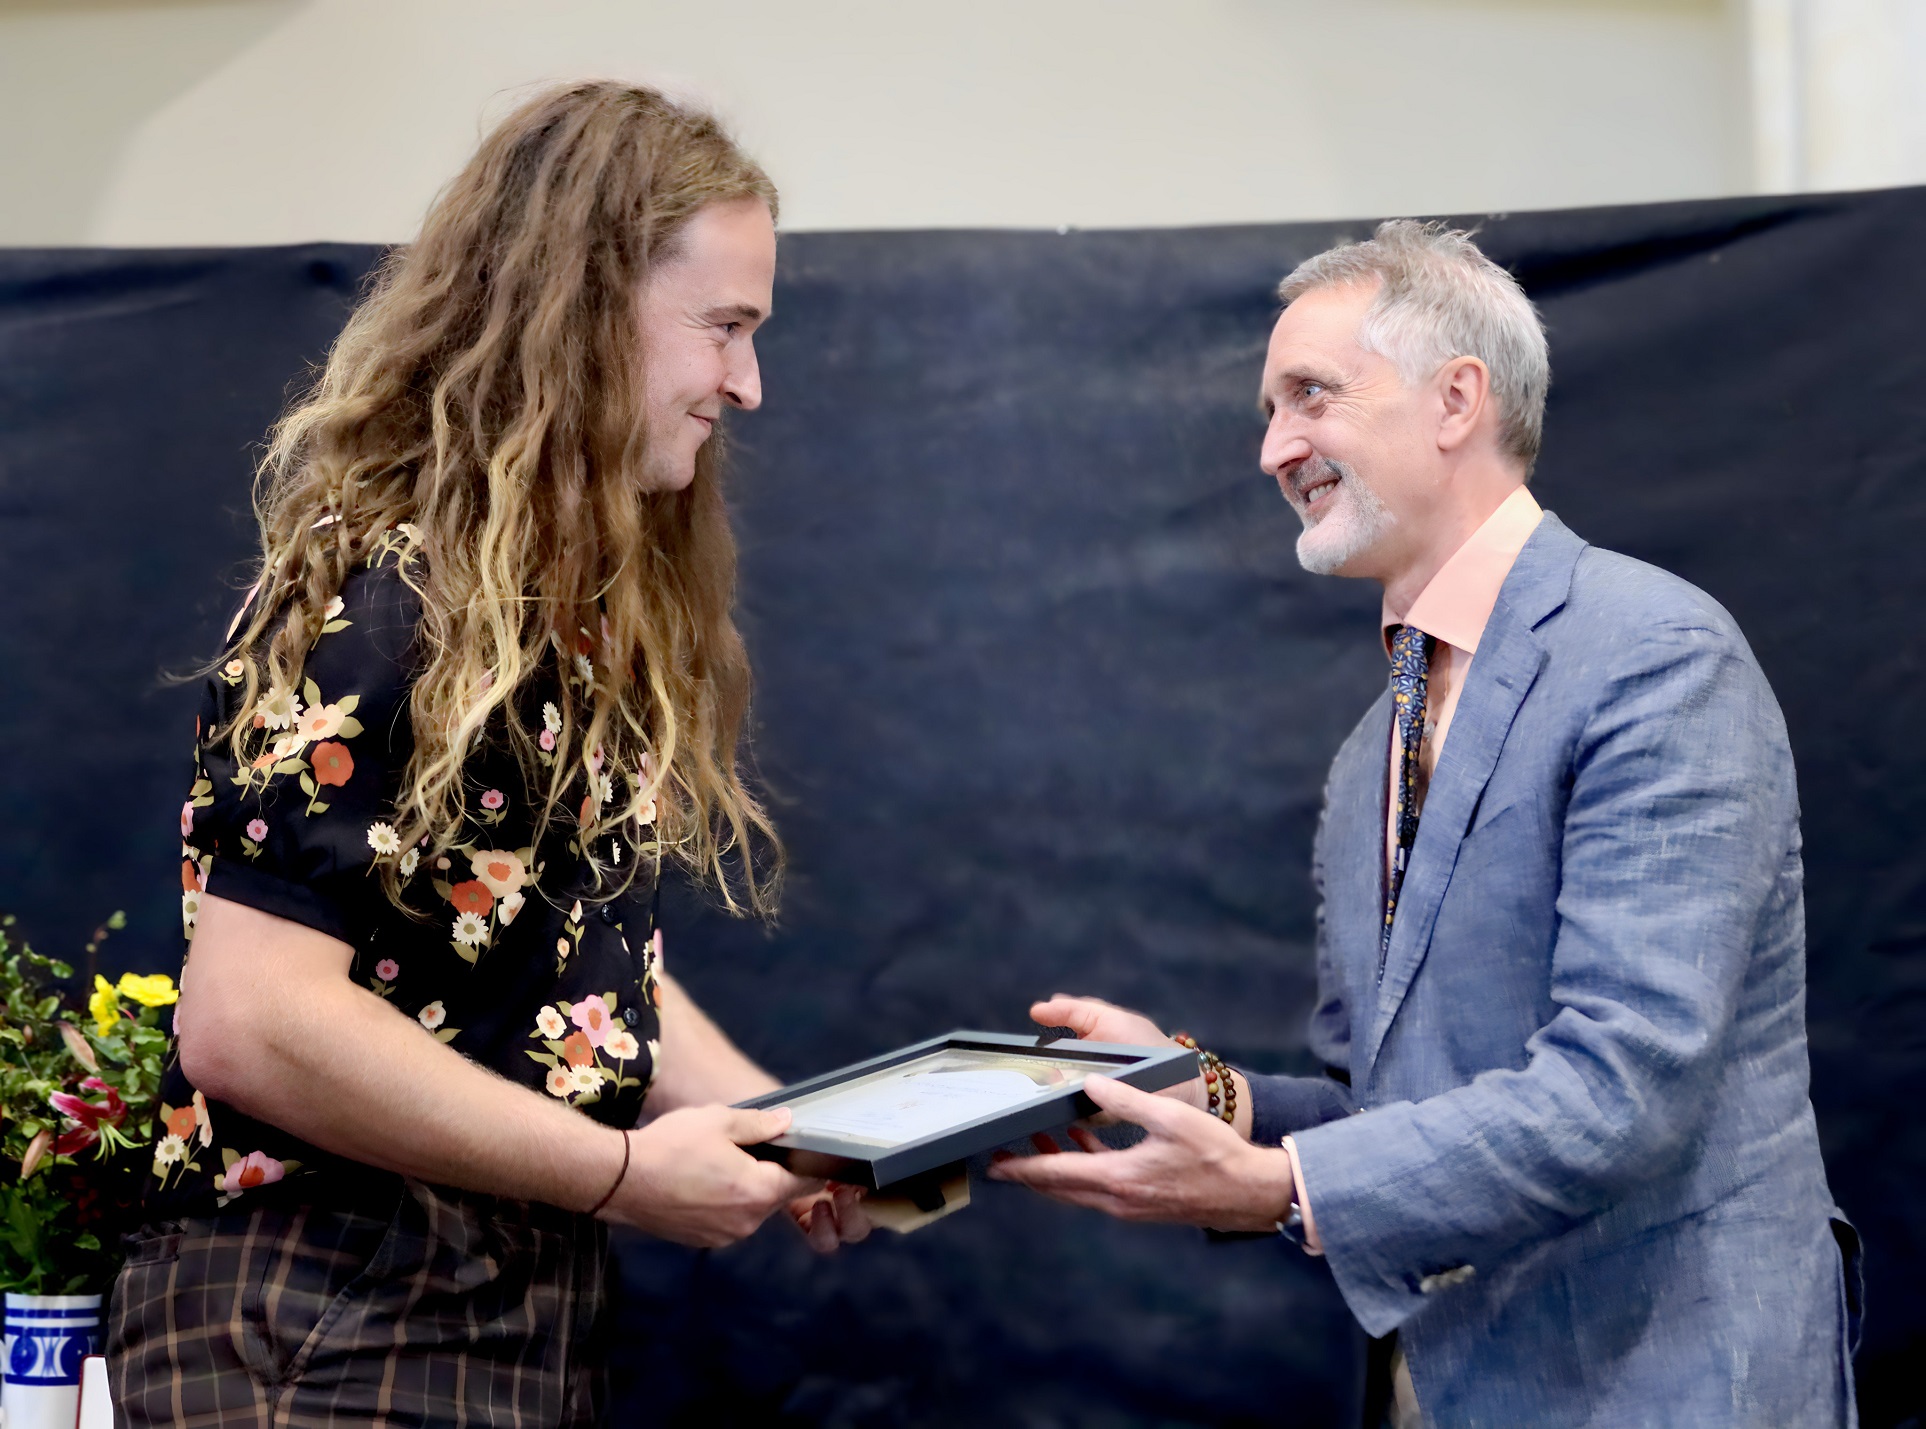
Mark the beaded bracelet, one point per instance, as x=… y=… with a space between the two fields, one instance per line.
x=1220 y=1088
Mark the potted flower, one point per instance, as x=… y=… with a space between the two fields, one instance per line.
x=77 y=1090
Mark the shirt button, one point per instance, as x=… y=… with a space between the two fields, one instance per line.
x=631 y=1016
x=608 y=913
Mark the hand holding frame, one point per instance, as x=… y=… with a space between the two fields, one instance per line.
x=1190 y=1168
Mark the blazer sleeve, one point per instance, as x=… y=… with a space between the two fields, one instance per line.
x=1681 y=825
x=1284 y=1106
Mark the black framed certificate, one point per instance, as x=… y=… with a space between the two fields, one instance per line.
x=913 y=1114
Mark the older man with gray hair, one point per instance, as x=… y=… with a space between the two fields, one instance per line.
x=1563 y=1163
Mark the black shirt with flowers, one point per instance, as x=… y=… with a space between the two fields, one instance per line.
x=514 y=957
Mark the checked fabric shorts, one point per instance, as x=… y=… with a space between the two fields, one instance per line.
x=421 y=1307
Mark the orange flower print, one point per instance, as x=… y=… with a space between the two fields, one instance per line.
x=181 y=1122
x=576 y=1050
x=332 y=763
x=472 y=897
x=192 y=879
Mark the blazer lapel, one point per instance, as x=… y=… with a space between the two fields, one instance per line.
x=1508 y=662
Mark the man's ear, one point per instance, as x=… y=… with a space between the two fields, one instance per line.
x=1464 y=391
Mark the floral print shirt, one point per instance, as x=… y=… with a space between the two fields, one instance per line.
x=518 y=960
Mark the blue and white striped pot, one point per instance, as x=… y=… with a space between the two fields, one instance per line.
x=47 y=1336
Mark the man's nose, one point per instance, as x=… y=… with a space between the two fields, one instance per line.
x=743 y=384
x=1283 y=446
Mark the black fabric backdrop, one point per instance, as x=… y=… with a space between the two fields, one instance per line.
x=1046 y=704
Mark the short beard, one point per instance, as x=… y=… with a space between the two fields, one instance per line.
x=1355 y=521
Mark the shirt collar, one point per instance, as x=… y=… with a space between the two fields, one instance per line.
x=1457 y=602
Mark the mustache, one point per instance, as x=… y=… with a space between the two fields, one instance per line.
x=1315 y=470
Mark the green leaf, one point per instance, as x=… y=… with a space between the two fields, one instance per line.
x=350 y=727
x=347 y=705
x=311 y=693
x=547 y=1059
x=307 y=784
x=463 y=951
x=288 y=766
x=447 y=1034
x=553 y=1046
x=317 y=808
x=334 y=625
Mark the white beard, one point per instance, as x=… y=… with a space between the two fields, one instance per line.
x=1354 y=522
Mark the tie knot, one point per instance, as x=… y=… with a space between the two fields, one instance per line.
x=1410 y=646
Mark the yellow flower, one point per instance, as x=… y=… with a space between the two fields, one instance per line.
x=154 y=990
x=105 y=1005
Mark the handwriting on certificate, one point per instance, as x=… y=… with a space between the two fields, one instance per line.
x=909 y=1108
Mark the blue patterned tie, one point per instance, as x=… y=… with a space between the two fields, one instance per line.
x=1410 y=669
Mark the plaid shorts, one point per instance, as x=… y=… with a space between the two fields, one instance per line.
x=422 y=1306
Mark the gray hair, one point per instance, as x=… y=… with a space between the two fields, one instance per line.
x=1439 y=297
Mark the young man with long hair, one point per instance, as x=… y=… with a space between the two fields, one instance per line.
x=486 y=686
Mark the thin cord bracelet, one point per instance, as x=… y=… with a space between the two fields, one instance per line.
x=620 y=1177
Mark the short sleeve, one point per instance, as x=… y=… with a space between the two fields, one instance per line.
x=295 y=827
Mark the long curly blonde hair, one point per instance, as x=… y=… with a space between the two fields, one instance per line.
x=488 y=392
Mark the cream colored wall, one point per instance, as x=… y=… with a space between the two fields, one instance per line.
x=268 y=121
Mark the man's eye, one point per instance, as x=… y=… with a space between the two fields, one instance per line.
x=1313 y=389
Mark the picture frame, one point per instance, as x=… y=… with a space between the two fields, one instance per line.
x=882 y=1124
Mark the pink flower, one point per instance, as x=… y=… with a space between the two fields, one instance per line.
x=493 y=799
x=387 y=969
x=547 y=740
x=86 y=1116
x=256 y=1168
x=187 y=819
x=257 y=829
x=592 y=1015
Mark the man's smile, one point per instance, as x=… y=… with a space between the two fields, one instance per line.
x=1311 y=486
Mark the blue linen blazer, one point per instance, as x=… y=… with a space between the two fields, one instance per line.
x=1575 y=1165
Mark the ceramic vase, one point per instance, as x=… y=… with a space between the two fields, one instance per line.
x=47 y=1336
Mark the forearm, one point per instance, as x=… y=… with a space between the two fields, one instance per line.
x=338 y=1067
x=700 y=1065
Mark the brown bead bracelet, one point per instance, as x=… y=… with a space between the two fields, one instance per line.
x=1220 y=1088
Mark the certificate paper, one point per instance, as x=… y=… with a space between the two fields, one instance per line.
x=931 y=1095
x=905 y=1123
